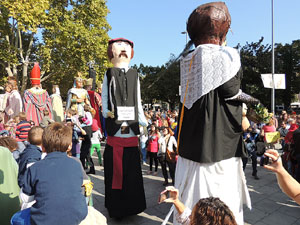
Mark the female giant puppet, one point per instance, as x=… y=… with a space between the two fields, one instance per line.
x=210 y=137
x=36 y=99
x=122 y=108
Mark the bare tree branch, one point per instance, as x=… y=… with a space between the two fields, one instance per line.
x=20 y=45
x=29 y=47
x=43 y=78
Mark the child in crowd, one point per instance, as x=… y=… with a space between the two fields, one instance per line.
x=209 y=210
x=11 y=126
x=46 y=119
x=55 y=182
x=88 y=118
x=32 y=153
x=86 y=145
x=76 y=132
x=22 y=130
x=11 y=144
x=3 y=131
x=96 y=137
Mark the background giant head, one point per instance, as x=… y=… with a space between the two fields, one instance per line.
x=120 y=51
x=209 y=24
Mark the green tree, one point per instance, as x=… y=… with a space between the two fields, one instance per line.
x=288 y=62
x=70 y=34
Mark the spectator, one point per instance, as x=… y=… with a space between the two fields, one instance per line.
x=283 y=132
x=153 y=147
x=11 y=144
x=9 y=189
x=32 y=153
x=46 y=119
x=22 y=130
x=55 y=182
x=285 y=181
x=209 y=210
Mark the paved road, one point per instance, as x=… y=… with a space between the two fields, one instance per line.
x=269 y=205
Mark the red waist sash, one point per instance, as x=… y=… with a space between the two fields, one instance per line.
x=118 y=145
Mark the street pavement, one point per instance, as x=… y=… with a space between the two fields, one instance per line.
x=269 y=205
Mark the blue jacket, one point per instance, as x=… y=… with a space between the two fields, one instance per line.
x=31 y=154
x=56 y=183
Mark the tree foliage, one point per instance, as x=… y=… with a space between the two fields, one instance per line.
x=160 y=83
x=62 y=35
x=256 y=60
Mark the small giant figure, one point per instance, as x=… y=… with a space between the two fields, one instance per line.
x=36 y=99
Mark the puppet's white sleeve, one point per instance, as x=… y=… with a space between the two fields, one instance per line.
x=104 y=97
x=141 y=115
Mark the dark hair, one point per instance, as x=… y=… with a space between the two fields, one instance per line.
x=9 y=142
x=35 y=135
x=212 y=210
x=46 y=112
x=57 y=137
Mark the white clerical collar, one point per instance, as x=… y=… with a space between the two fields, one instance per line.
x=125 y=68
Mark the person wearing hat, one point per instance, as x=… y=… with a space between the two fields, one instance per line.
x=123 y=112
x=210 y=141
x=77 y=97
x=36 y=99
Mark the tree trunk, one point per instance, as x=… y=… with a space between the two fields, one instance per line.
x=24 y=77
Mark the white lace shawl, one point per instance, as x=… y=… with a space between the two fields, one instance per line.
x=211 y=66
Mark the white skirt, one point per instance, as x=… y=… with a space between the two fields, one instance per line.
x=224 y=179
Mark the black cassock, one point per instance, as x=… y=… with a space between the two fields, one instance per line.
x=211 y=129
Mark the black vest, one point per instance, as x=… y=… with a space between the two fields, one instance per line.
x=122 y=91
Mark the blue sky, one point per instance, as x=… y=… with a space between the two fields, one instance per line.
x=155 y=26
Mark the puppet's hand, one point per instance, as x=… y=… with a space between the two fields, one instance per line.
x=245 y=123
x=110 y=114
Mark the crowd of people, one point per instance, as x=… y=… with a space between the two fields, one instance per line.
x=255 y=142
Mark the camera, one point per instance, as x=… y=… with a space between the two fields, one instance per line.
x=266 y=160
x=163 y=196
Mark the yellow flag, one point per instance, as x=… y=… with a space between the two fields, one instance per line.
x=272 y=137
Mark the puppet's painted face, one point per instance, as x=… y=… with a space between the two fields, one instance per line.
x=79 y=83
x=122 y=52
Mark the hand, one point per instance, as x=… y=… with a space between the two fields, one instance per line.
x=10 y=112
x=173 y=194
x=80 y=100
x=110 y=114
x=276 y=165
x=245 y=123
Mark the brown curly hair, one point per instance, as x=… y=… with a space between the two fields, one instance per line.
x=9 y=142
x=212 y=211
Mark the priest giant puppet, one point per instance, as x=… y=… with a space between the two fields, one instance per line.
x=36 y=99
x=122 y=108
x=210 y=135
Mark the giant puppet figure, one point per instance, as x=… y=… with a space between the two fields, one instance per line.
x=77 y=97
x=95 y=99
x=36 y=99
x=57 y=104
x=210 y=135
x=122 y=108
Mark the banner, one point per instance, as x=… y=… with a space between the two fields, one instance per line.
x=278 y=78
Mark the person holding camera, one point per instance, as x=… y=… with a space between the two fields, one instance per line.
x=285 y=181
x=209 y=210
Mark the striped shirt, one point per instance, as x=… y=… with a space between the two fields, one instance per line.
x=22 y=130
